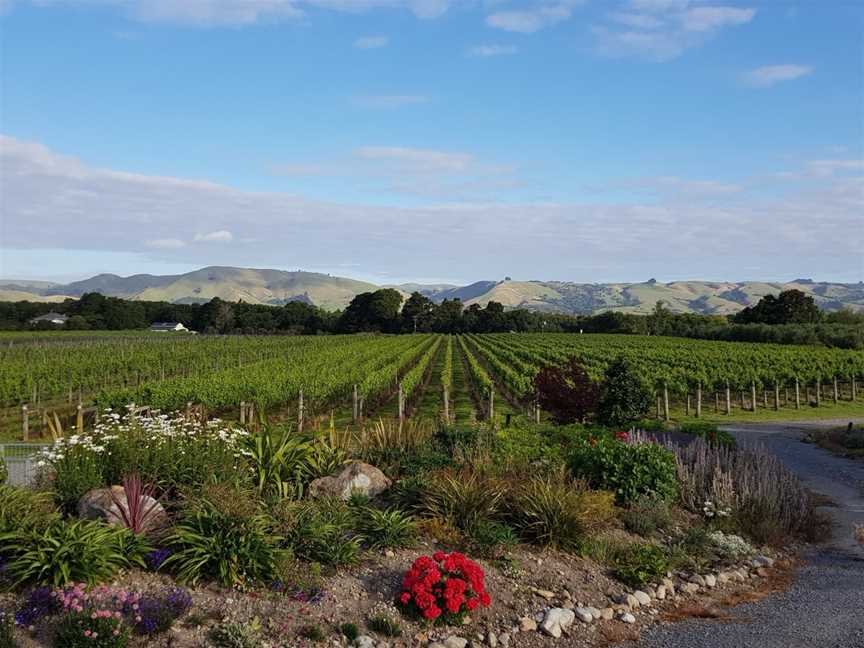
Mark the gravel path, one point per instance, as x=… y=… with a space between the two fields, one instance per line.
x=824 y=608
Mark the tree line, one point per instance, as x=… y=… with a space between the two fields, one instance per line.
x=791 y=317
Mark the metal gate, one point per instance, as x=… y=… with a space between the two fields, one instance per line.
x=20 y=460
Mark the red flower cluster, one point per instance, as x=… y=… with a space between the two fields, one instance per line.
x=622 y=435
x=445 y=586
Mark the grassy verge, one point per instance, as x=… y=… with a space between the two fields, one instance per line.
x=827 y=411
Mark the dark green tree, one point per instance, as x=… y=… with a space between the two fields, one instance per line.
x=417 y=313
x=624 y=398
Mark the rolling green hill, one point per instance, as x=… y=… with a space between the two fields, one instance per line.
x=261 y=286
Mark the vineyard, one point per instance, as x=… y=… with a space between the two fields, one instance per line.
x=355 y=377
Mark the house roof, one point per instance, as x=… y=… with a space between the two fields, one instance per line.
x=170 y=325
x=48 y=317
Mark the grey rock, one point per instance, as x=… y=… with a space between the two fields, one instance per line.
x=661 y=592
x=628 y=618
x=710 y=580
x=607 y=614
x=356 y=477
x=583 y=614
x=504 y=639
x=642 y=597
x=455 y=641
x=365 y=641
x=99 y=504
x=491 y=639
x=527 y=624
x=689 y=588
x=557 y=620
x=762 y=561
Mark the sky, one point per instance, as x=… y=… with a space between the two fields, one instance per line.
x=434 y=140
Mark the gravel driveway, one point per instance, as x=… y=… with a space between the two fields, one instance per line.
x=824 y=608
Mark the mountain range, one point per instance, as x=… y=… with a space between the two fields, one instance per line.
x=277 y=287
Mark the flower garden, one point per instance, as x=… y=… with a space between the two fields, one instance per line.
x=162 y=530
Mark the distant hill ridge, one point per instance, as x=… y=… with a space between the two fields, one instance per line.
x=277 y=287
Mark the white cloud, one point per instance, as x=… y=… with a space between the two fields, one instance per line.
x=832 y=167
x=661 y=30
x=219 y=236
x=532 y=20
x=215 y=13
x=55 y=201
x=486 y=51
x=389 y=101
x=769 y=75
x=165 y=243
x=371 y=42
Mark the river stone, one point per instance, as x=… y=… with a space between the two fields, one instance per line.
x=628 y=618
x=711 y=580
x=689 y=588
x=583 y=614
x=527 y=624
x=356 y=477
x=661 y=592
x=642 y=597
x=365 y=641
x=98 y=504
x=455 y=642
x=556 y=621
x=607 y=613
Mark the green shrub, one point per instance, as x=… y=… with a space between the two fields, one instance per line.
x=641 y=564
x=66 y=552
x=384 y=625
x=319 y=531
x=312 y=632
x=693 y=550
x=408 y=492
x=464 y=497
x=628 y=470
x=708 y=431
x=559 y=513
x=624 y=398
x=229 y=541
x=647 y=515
x=78 y=471
x=229 y=634
x=279 y=461
x=387 y=528
x=350 y=631
x=80 y=630
x=22 y=509
x=491 y=538
x=7 y=630
x=4 y=472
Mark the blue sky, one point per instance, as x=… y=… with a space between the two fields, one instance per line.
x=393 y=140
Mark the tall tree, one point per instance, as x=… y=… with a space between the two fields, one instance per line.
x=417 y=313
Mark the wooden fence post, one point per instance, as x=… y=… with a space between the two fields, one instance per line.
x=25 y=423
x=797 y=395
x=446 y=404
x=537 y=410
x=242 y=412
x=698 y=399
x=728 y=399
x=765 y=398
x=79 y=418
x=658 y=405
x=854 y=394
x=665 y=401
x=401 y=403
x=753 y=396
x=687 y=404
x=354 y=408
x=776 y=396
x=491 y=403
x=300 y=411
x=836 y=392
x=818 y=392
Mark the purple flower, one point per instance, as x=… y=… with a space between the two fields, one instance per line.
x=40 y=602
x=156 y=613
x=155 y=558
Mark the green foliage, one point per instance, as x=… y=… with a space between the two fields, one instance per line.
x=641 y=564
x=558 y=513
x=7 y=630
x=312 y=632
x=102 y=632
x=624 y=398
x=319 y=531
x=65 y=552
x=23 y=510
x=629 y=470
x=708 y=431
x=384 y=625
x=387 y=528
x=280 y=461
x=350 y=631
x=231 y=634
x=491 y=538
x=4 y=472
x=76 y=473
x=647 y=515
x=229 y=541
x=466 y=498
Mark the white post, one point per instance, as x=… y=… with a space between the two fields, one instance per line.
x=300 y=412
x=698 y=399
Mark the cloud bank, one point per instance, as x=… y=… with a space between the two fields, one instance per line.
x=686 y=230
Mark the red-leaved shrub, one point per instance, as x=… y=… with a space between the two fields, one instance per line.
x=443 y=587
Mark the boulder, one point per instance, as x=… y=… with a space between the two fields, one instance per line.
x=98 y=504
x=356 y=477
x=557 y=620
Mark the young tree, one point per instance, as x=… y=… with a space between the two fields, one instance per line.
x=567 y=392
x=624 y=398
